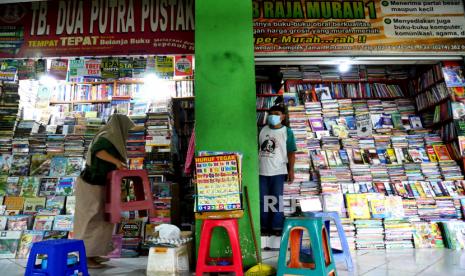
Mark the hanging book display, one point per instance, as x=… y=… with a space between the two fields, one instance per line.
x=218 y=183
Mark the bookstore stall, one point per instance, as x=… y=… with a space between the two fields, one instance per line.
x=50 y=110
x=379 y=143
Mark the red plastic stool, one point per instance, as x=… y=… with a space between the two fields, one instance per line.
x=144 y=200
x=203 y=259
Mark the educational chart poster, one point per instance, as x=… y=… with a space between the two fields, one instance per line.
x=97 y=27
x=359 y=27
x=218 y=183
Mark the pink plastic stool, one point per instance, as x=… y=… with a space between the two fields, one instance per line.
x=144 y=200
x=203 y=259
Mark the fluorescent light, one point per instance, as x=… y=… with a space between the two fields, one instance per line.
x=344 y=67
x=48 y=81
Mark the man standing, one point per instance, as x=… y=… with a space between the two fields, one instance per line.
x=277 y=158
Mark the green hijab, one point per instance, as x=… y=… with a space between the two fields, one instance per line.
x=116 y=131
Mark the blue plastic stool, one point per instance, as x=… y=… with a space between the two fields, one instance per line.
x=343 y=254
x=57 y=258
x=323 y=262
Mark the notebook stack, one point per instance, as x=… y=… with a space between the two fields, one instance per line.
x=398 y=233
x=369 y=234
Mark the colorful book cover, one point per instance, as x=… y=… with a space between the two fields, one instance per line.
x=74 y=166
x=442 y=153
x=150 y=233
x=400 y=189
x=436 y=188
x=364 y=128
x=462 y=145
x=48 y=186
x=43 y=223
x=27 y=239
x=423 y=155
x=350 y=122
x=18 y=222
x=5 y=163
x=9 y=242
x=357 y=206
x=65 y=186
x=380 y=187
x=340 y=131
x=399 y=155
x=3 y=185
x=381 y=155
x=416 y=156
x=415 y=122
x=13 y=186
x=396 y=120
x=316 y=124
x=14 y=202
x=40 y=165
x=407 y=158
x=130 y=228
x=453 y=75
x=55 y=202
x=344 y=157
x=3 y=222
x=377 y=208
x=29 y=186
x=33 y=204
x=374 y=158
x=70 y=205
x=422 y=234
x=394 y=207
x=20 y=165
x=63 y=223
x=377 y=121
x=436 y=236
x=427 y=189
x=117 y=242
x=58 y=166
x=432 y=154
x=391 y=157
x=55 y=235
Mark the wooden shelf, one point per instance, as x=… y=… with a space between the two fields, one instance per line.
x=80 y=102
x=429 y=87
x=434 y=105
x=183 y=98
x=385 y=81
x=371 y=98
x=269 y=95
x=440 y=123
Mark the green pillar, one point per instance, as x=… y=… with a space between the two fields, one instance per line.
x=225 y=100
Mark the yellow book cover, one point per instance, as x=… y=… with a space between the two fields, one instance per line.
x=357 y=205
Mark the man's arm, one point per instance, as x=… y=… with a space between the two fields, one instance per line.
x=291 y=160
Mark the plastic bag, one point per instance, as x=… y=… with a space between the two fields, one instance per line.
x=168 y=231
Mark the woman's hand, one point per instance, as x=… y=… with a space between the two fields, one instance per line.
x=121 y=165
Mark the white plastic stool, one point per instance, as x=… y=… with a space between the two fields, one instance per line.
x=167 y=260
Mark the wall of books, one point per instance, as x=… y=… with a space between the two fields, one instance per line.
x=378 y=145
x=49 y=113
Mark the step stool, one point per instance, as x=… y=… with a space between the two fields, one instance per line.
x=343 y=254
x=164 y=260
x=292 y=234
x=203 y=259
x=57 y=258
x=144 y=200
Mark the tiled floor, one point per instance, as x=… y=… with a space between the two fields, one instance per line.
x=424 y=262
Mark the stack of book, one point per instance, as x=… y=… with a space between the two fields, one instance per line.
x=135 y=145
x=9 y=103
x=398 y=233
x=369 y=234
x=297 y=121
x=158 y=160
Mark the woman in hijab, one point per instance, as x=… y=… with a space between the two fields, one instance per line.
x=107 y=152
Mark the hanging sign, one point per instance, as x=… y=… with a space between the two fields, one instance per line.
x=98 y=27
x=183 y=66
x=218 y=183
x=58 y=69
x=164 y=66
x=358 y=27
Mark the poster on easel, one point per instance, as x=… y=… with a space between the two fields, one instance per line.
x=218 y=183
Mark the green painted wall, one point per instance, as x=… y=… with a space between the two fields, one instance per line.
x=225 y=99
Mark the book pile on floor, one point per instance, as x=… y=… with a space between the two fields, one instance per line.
x=369 y=234
x=398 y=233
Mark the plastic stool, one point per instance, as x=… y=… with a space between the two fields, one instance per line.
x=233 y=264
x=319 y=239
x=343 y=254
x=144 y=200
x=57 y=258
